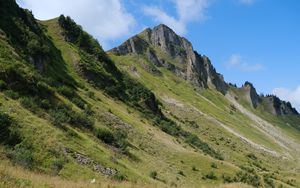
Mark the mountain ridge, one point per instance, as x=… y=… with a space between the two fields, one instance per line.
x=72 y=115
x=198 y=69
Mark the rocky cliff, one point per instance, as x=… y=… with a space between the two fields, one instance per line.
x=164 y=48
x=251 y=94
x=279 y=107
x=268 y=103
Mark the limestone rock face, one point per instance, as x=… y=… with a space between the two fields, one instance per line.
x=251 y=93
x=190 y=65
x=268 y=103
x=279 y=107
x=134 y=45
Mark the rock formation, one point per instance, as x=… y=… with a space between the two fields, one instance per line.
x=162 y=47
x=279 y=107
x=251 y=94
x=189 y=64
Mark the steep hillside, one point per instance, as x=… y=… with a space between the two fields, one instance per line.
x=150 y=113
x=260 y=122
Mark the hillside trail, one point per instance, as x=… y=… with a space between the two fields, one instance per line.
x=268 y=129
x=191 y=108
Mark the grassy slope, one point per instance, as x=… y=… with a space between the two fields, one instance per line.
x=167 y=167
x=206 y=101
x=152 y=149
x=149 y=143
x=289 y=124
x=170 y=88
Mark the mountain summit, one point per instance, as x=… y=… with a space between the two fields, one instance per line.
x=162 y=47
x=186 y=62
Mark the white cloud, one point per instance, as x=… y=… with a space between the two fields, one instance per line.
x=162 y=17
x=234 y=59
x=104 y=19
x=187 y=11
x=237 y=61
x=292 y=96
x=190 y=10
x=246 y=2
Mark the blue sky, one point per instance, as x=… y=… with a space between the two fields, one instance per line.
x=246 y=40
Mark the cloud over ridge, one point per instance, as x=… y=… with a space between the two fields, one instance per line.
x=292 y=96
x=104 y=19
x=187 y=11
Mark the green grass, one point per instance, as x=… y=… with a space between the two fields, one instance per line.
x=148 y=148
x=171 y=86
x=208 y=101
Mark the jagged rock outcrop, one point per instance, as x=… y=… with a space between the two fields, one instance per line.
x=164 y=48
x=134 y=45
x=279 y=107
x=178 y=56
x=251 y=94
x=269 y=103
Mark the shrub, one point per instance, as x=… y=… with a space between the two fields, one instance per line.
x=248 y=169
x=8 y=134
x=291 y=182
x=72 y=133
x=11 y=94
x=78 y=102
x=81 y=120
x=213 y=165
x=268 y=181
x=57 y=165
x=88 y=110
x=117 y=139
x=211 y=176
x=44 y=88
x=59 y=116
x=2 y=85
x=181 y=173
x=121 y=139
x=227 y=179
x=153 y=174
x=91 y=94
x=21 y=155
x=119 y=177
x=170 y=128
x=66 y=91
x=105 y=135
x=29 y=103
x=194 y=140
x=5 y=123
x=252 y=156
x=251 y=179
x=194 y=168
x=45 y=104
x=65 y=114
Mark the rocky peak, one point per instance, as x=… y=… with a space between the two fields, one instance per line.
x=279 y=107
x=197 y=69
x=269 y=103
x=169 y=42
x=252 y=95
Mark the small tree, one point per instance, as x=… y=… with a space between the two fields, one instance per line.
x=153 y=174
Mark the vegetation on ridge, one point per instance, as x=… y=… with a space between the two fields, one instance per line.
x=102 y=72
x=72 y=113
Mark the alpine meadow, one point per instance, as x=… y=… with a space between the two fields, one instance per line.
x=152 y=112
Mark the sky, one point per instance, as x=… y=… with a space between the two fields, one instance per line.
x=246 y=40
